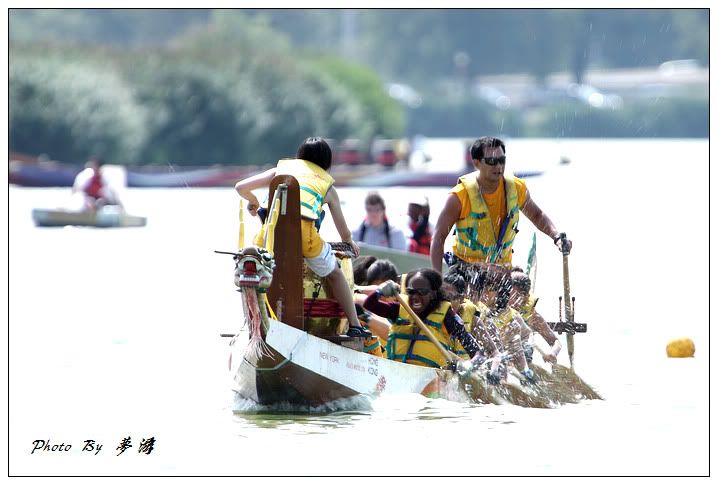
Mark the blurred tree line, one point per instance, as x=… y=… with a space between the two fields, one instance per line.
x=231 y=92
x=195 y=86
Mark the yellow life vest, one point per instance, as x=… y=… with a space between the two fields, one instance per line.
x=407 y=343
x=403 y=283
x=467 y=311
x=314 y=183
x=528 y=307
x=475 y=239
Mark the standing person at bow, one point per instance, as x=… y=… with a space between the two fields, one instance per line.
x=375 y=228
x=484 y=205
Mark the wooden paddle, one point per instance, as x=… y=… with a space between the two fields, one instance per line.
x=482 y=392
x=563 y=384
x=567 y=297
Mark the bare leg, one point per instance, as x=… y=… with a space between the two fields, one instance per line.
x=340 y=288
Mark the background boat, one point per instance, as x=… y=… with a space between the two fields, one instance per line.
x=403 y=260
x=108 y=216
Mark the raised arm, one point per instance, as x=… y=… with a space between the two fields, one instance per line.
x=542 y=221
x=447 y=218
x=332 y=199
x=244 y=188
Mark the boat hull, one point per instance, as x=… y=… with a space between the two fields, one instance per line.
x=302 y=372
x=101 y=218
x=301 y=369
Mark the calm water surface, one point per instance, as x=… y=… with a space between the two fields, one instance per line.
x=115 y=334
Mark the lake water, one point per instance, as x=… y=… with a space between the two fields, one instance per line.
x=114 y=334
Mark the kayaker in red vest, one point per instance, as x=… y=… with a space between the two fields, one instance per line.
x=94 y=186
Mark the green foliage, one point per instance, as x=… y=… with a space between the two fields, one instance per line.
x=660 y=117
x=247 y=86
x=233 y=93
x=384 y=115
x=71 y=110
x=191 y=115
x=104 y=26
x=406 y=44
x=455 y=118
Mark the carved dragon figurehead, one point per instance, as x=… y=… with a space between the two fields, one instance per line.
x=253 y=268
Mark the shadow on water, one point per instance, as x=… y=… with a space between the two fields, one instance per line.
x=341 y=413
x=300 y=423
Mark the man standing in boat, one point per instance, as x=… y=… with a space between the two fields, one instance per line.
x=484 y=205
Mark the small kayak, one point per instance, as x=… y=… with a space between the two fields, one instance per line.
x=107 y=216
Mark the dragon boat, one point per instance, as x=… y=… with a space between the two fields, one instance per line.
x=298 y=358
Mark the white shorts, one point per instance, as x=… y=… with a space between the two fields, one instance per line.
x=323 y=264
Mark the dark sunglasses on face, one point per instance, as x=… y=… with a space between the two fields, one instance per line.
x=417 y=291
x=494 y=160
x=458 y=296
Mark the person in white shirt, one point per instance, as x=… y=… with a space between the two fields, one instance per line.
x=375 y=229
x=94 y=188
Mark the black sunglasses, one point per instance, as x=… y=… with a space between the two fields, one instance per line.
x=417 y=291
x=494 y=160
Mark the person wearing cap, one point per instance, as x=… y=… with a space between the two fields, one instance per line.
x=419 y=237
x=484 y=206
x=375 y=229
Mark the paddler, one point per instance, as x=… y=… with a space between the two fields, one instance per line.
x=484 y=205
x=310 y=168
x=473 y=316
x=512 y=329
x=407 y=342
x=524 y=302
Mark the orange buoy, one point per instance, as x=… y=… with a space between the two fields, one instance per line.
x=681 y=347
